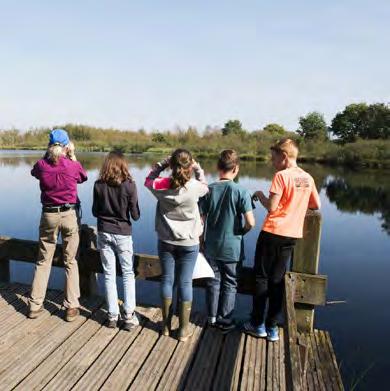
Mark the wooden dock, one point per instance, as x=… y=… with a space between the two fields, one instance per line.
x=51 y=354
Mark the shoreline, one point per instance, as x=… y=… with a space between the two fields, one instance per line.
x=364 y=163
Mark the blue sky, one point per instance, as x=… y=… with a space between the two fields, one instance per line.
x=161 y=64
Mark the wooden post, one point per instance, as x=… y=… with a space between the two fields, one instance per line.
x=88 y=279
x=306 y=260
x=5 y=273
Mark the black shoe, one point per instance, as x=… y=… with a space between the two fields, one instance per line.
x=111 y=323
x=226 y=327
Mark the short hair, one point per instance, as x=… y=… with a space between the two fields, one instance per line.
x=228 y=160
x=287 y=146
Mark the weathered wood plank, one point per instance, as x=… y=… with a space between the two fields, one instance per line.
x=59 y=358
x=202 y=373
x=153 y=367
x=293 y=360
x=177 y=369
x=254 y=366
x=309 y=288
x=338 y=383
x=20 y=328
x=21 y=360
x=126 y=370
x=99 y=371
x=83 y=359
x=228 y=370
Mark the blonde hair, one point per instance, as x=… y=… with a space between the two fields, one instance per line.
x=54 y=152
x=181 y=165
x=287 y=146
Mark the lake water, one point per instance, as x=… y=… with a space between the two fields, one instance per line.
x=355 y=248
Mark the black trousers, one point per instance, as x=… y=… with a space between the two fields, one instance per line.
x=273 y=253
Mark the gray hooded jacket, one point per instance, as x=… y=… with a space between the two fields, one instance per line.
x=177 y=213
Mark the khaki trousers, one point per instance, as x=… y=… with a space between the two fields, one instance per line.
x=51 y=225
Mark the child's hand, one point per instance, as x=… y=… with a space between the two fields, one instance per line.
x=195 y=165
x=259 y=195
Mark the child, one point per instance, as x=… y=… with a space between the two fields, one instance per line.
x=223 y=208
x=114 y=200
x=178 y=225
x=292 y=192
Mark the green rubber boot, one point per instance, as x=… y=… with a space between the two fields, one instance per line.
x=184 y=321
x=167 y=316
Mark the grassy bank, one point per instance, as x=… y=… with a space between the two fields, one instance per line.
x=250 y=145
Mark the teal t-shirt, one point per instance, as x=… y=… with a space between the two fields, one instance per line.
x=224 y=206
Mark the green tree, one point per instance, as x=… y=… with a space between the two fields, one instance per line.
x=313 y=126
x=350 y=123
x=377 y=124
x=362 y=120
x=275 y=129
x=233 y=127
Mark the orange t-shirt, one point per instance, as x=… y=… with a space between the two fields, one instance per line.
x=298 y=192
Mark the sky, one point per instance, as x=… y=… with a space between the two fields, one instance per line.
x=166 y=64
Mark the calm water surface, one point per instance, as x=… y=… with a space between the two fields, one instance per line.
x=355 y=248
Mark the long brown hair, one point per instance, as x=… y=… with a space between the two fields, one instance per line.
x=115 y=169
x=181 y=165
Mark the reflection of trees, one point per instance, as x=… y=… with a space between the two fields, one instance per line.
x=361 y=197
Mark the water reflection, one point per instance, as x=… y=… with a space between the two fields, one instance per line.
x=354 y=245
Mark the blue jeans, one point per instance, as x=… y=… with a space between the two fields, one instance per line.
x=221 y=290
x=122 y=246
x=177 y=262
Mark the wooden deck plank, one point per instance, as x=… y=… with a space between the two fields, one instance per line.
x=177 y=369
x=16 y=302
x=99 y=371
x=202 y=373
x=316 y=365
x=23 y=359
x=56 y=361
x=282 y=363
x=22 y=328
x=254 y=375
x=124 y=373
x=84 y=358
x=11 y=292
x=153 y=367
x=335 y=372
x=228 y=371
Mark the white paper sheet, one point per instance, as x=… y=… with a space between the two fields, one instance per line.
x=202 y=268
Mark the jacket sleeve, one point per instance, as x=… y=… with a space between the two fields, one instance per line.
x=154 y=173
x=82 y=174
x=200 y=177
x=35 y=170
x=95 y=202
x=133 y=202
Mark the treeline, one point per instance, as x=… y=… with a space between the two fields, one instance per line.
x=359 y=135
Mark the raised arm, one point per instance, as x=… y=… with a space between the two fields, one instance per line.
x=155 y=172
x=199 y=176
x=314 y=200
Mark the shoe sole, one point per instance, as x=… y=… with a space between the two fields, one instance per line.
x=254 y=334
x=272 y=339
x=71 y=318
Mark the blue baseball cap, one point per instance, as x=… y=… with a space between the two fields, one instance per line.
x=58 y=136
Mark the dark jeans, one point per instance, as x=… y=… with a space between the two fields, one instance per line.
x=177 y=262
x=273 y=252
x=221 y=290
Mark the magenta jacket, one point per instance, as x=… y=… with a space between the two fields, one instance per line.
x=58 y=182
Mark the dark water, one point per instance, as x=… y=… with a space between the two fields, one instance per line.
x=355 y=248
